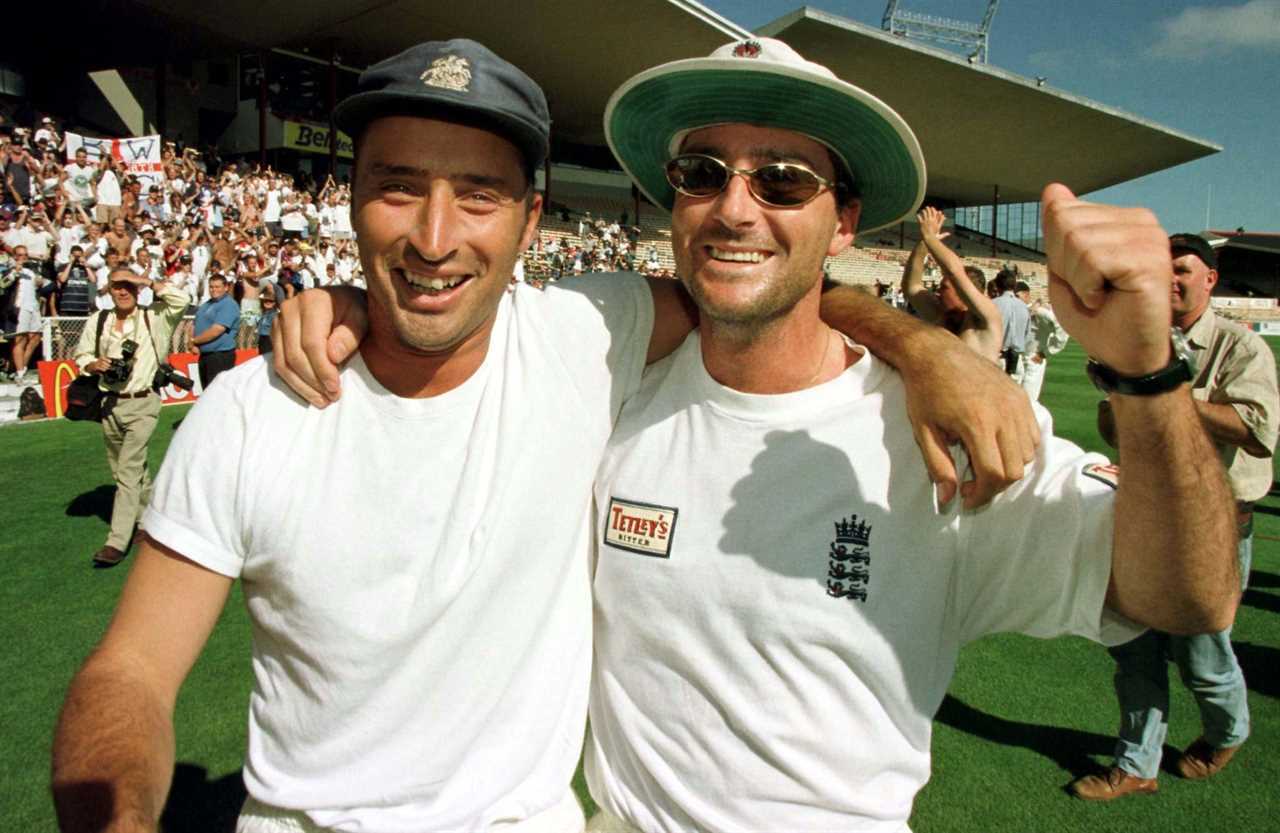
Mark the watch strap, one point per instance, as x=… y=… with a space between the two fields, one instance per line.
x=1176 y=373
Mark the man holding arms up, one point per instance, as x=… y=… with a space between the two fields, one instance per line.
x=961 y=306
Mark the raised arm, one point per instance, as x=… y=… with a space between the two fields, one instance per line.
x=113 y=751
x=1173 y=552
x=924 y=302
x=983 y=310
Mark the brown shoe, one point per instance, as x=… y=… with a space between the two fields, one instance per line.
x=1112 y=784
x=1202 y=760
x=107 y=557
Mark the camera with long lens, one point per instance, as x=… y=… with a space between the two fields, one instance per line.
x=120 y=369
x=166 y=375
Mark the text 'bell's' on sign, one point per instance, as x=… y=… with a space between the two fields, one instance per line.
x=313 y=139
x=643 y=528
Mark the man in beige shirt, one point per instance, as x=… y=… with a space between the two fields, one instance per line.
x=1234 y=387
x=132 y=406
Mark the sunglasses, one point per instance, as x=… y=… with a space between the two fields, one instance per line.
x=778 y=184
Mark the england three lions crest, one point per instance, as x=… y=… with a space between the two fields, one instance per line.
x=849 y=560
x=450 y=72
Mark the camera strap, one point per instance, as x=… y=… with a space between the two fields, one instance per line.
x=146 y=319
x=102 y=325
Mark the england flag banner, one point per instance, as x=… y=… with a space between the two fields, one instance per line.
x=140 y=155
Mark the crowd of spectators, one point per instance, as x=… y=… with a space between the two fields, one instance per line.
x=599 y=246
x=66 y=219
x=65 y=223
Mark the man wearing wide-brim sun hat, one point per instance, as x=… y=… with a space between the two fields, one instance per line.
x=765 y=82
x=774 y=634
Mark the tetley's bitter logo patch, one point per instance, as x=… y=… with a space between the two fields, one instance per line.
x=849 y=560
x=644 y=528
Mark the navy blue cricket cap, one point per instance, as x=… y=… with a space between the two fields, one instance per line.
x=1180 y=244
x=457 y=80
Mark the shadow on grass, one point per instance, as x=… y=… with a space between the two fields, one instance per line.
x=1258 y=662
x=1260 y=600
x=96 y=503
x=1261 y=578
x=1074 y=750
x=198 y=805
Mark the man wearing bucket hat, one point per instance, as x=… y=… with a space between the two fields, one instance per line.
x=422 y=624
x=774 y=636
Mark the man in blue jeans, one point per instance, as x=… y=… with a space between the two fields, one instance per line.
x=1234 y=387
x=216 y=325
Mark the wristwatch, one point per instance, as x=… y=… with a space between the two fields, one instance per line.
x=1177 y=372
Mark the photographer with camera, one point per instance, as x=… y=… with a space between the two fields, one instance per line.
x=127 y=346
x=75 y=285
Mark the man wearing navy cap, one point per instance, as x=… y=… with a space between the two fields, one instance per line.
x=420 y=595
x=774 y=635
x=1234 y=388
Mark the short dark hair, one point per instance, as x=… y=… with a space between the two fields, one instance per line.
x=216 y=277
x=1022 y=286
x=1005 y=280
x=977 y=277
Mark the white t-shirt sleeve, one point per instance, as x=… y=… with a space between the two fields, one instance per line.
x=1038 y=559
x=603 y=326
x=195 y=509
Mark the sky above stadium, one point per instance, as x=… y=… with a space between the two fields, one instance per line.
x=1209 y=69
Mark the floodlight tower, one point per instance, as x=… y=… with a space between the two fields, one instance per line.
x=971 y=38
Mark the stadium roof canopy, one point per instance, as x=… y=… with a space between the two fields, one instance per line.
x=1253 y=241
x=979 y=126
x=580 y=51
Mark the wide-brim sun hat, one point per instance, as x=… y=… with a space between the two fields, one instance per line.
x=762 y=81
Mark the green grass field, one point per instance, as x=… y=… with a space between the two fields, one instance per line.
x=1023 y=717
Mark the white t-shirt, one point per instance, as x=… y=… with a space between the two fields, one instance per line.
x=326 y=220
x=416 y=569
x=109 y=189
x=146 y=296
x=779 y=604
x=102 y=300
x=271 y=211
x=200 y=259
x=292 y=218
x=26 y=299
x=67 y=237
x=79 y=184
x=342 y=218
x=345 y=267
x=37 y=241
